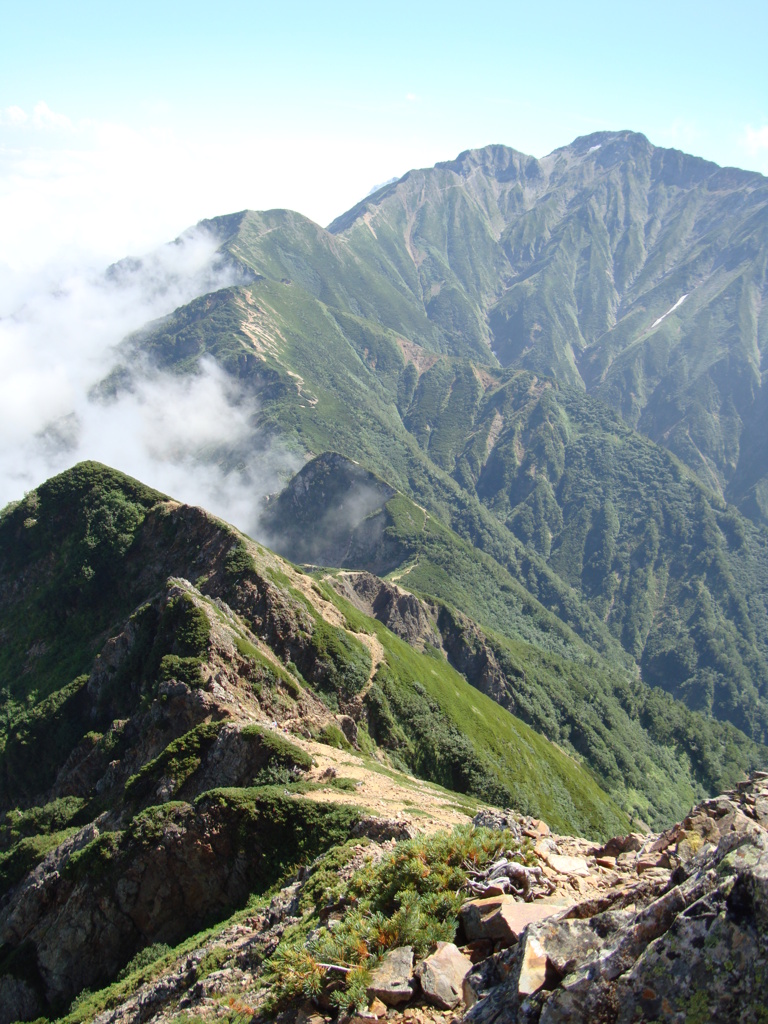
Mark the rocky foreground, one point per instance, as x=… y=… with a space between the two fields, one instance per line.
x=667 y=927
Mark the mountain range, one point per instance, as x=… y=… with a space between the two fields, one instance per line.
x=528 y=549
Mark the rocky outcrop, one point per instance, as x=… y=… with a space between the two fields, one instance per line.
x=689 y=946
x=111 y=893
x=400 y=611
x=622 y=943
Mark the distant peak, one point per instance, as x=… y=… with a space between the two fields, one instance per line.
x=501 y=162
x=619 y=144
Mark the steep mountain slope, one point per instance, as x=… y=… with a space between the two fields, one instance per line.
x=646 y=749
x=146 y=779
x=635 y=272
x=374 y=339
x=600 y=525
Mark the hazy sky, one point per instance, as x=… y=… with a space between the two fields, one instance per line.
x=120 y=125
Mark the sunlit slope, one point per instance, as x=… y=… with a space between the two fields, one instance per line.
x=650 y=751
x=600 y=525
x=192 y=603
x=635 y=272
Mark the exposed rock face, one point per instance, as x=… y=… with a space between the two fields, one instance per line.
x=693 y=948
x=397 y=609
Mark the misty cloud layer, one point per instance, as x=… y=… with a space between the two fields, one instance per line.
x=58 y=339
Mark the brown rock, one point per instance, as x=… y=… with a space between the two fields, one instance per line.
x=442 y=974
x=536 y=829
x=606 y=862
x=533 y=972
x=500 y=918
x=377 y=1009
x=568 y=865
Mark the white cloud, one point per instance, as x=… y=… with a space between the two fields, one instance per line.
x=71 y=188
x=44 y=117
x=56 y=342
x=756 y=139
x=13 y=116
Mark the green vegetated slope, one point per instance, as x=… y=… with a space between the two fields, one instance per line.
x=574 y=266
x=165 y=627
x=678 y=576
x=323 y=388
x=341 y=365
x=355 y=340
x=149 y=650
x=650 y=751
x=547 y=482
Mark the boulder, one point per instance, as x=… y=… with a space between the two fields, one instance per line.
x=392 y=981
x=442 y=975
x=500 y=918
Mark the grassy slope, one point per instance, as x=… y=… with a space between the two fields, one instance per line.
x=61 y=504
x=356 y=376
x=574 y=259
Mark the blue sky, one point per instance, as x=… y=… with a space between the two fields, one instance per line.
x=118 y=128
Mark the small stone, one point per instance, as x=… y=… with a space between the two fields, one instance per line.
x=606 y=862
x=377 y=1008
x=491 y=890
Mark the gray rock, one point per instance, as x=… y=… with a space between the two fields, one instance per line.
x=392 y=981
x=498 y=821
x=695 y=947
x=18 y=1000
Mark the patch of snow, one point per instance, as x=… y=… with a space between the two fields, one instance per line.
x=672 y=309
x=593 y=148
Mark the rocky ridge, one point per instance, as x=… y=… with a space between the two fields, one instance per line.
x=655 y=927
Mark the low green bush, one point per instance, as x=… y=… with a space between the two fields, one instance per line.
x=411 y=897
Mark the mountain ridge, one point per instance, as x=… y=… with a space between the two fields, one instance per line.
x=529 y=394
